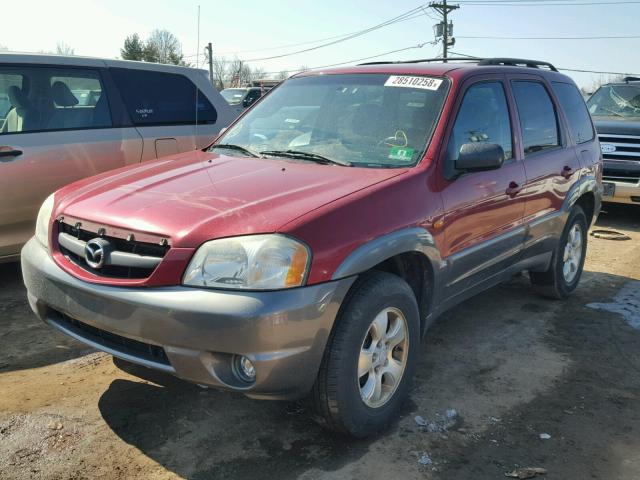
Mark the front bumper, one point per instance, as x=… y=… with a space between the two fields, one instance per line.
x=626 y=192
x=193 y=333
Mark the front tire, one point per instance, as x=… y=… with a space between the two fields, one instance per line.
x=370 y=358
x=567 y=262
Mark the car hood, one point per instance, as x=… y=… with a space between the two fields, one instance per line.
x=198 y=196
x=617 y=125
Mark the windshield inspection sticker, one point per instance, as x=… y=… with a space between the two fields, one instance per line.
x=424 y=83
x=404 y=154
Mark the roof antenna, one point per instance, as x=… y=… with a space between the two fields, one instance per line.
x=197 y=90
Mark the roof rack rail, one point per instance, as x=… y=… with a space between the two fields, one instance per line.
x=517 y=62
x=423 y=60
x=507 y=62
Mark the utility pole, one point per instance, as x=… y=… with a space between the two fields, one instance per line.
x=447 y=28
x=209 y=50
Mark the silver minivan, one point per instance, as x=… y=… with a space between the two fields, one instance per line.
x=67 y=118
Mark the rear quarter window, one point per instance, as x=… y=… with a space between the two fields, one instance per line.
x=538 y=120
x=575 y=110
x=159 y=98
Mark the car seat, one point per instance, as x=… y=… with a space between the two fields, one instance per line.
x=23 y=116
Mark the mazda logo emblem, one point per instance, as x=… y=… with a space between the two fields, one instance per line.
x=96 y=251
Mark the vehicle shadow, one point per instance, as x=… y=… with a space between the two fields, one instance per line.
x=217 y=434
x=25 y=341
x=618 y=216
x=505 y=352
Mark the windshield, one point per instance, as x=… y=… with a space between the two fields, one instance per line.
x=366 y=120
x=233 y=96
x=616 y=101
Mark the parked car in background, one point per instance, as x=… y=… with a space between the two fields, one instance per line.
x=67 y=118
x=307 y=251
x=615 y=108
x=242 y=97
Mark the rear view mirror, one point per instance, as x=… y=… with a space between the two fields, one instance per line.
x=478 y=157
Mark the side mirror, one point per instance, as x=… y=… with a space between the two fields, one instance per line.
x=479 y=157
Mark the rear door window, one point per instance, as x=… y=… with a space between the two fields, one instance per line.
x=483 y=117
x=8 y=81
x=159 y=98
x=575 y=110
x=36 y=99
x=538 y=120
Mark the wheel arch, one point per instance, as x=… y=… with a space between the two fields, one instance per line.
x=409 y=253
x=587 y=193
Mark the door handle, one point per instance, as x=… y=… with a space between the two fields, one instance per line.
x=8 y=153
x=513 y=189
x=567 y=171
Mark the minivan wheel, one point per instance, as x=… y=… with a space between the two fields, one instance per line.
x=370 y=358
x=567 y=263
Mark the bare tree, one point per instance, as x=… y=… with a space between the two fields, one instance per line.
x=258 y=73
x=282 y=75
x=64 y=49
x=234 y=72
x=219 y=72
x=162 y=46
x=246 y=74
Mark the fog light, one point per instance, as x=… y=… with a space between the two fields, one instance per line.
x=245 y=369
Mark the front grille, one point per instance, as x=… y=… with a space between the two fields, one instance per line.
x=111 y=341
x=623 y=163
x=126 y=254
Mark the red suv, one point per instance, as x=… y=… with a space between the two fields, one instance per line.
x=306 y=252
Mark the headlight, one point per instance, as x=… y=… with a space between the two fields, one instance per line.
x=42 y=223
x=254 y=262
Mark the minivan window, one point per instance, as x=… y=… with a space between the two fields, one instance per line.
x=366 y=120
x=576 y=111
x=160 y=98
x=7 y=80
x=36 y=99
x=538 y=121
x=483 y=117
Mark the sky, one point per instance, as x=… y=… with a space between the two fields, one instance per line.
x=251 y=30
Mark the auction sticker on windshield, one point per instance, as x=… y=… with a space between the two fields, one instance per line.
x=425 y=83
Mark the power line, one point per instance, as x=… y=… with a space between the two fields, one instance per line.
x=413 y=12
x=309 y=42
x=514 y=3
x=577 y=70
x=420 y=45
x=552 y=38
x=596 y=71
x=498 y=2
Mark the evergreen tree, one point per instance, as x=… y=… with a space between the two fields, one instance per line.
x=133 y=49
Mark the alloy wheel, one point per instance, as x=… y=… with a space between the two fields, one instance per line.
x=572 y=254
x=383 y=357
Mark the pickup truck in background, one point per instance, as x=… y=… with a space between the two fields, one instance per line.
x=615 y=108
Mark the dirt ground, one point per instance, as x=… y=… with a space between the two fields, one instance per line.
x=513 y=365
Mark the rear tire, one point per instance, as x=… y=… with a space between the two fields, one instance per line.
x=567 y=262
x=369 y=361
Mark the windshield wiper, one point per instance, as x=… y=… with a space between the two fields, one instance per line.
x=613 y=112
x=231 y=146
x=299 y=154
